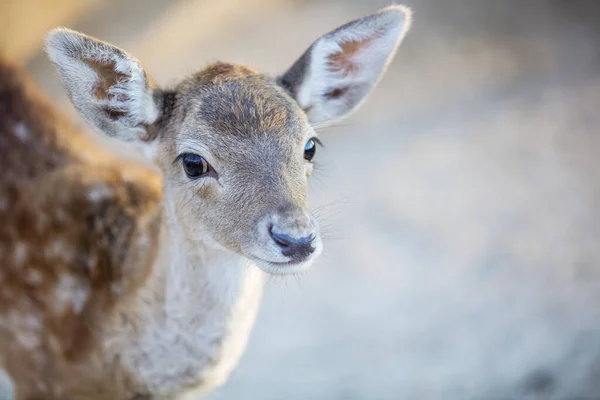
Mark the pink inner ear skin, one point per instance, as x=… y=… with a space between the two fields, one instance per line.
x=108 y=76
x=342 y=61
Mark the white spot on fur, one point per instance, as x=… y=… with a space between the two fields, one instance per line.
x=20 y=253
x=80 y=295
x=61 y=215
x=29 y=340
x=56 y=249
x=21 y=131
x=27 y=327
x=99 y=192
x=117 y=289
x=33 y=322
x=69 y=292
x=34 y=277
x=42 y=386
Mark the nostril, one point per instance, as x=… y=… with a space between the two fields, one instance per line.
x=284 y=239
x=293 y=246
x=281 y=239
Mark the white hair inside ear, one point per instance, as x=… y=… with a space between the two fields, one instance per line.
x=106 y=85
x=340 y=69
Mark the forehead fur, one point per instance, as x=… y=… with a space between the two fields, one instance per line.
x=234 y=100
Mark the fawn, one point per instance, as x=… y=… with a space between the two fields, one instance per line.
x=236 y=150
x=78 y=232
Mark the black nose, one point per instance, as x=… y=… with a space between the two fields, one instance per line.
x=298 y=248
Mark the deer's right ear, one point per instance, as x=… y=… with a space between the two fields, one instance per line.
x=341 y=68
x=106 y=85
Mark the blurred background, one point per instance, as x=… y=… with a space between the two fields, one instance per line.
x=462 y=202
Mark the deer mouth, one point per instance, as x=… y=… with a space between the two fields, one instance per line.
x=282 y=267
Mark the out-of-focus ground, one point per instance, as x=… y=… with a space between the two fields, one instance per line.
x=462 y=202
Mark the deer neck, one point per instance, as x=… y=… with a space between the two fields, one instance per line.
x=194 y=315
x=201 y=274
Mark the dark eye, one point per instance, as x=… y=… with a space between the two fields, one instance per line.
x=195 y=166
x=310 y=149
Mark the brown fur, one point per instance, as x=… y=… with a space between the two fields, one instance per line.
x=77 y=234
x=244 y=103
x=220 y=72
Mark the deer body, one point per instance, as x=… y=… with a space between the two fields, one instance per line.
x=235 y=148
x=78 y=230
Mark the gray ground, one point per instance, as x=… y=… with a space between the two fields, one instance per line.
x=462 y=202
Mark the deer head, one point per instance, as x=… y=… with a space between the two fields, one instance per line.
x=235 y=146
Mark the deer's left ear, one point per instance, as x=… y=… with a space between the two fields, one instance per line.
x=108 y=87
x=339 y=70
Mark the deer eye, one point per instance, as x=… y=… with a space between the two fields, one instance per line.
x=195 y=166
x=310 y=149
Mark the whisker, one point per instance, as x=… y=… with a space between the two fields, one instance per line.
x=317 y=127
x=297 y=277
x=322 y=166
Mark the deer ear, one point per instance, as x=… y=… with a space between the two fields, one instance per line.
x=339 y=70
x=106 y=85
